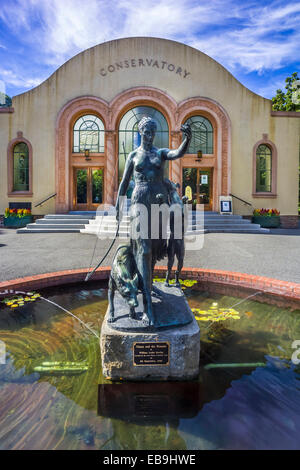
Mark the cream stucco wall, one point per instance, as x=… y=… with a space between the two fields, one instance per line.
x=36 y=112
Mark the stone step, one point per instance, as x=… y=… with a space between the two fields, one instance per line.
x=68 y=217
x=72 y=221
x=108 y=219
x=48 y=230
x=224 y=222
x=216 y=217
x=57 y=226
x=238 y=230
x=190 y=216
x=84 y=213
x=232 y=226
x=112 y=228
x=105 y=221
x=92 y=214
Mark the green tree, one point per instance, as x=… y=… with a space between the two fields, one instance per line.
x=289 y=100
x=5 y=100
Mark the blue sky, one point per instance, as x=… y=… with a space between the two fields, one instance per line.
x=257 y=41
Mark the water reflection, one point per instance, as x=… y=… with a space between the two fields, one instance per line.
x=232 y=408
x=150 y=402
x=258 y=411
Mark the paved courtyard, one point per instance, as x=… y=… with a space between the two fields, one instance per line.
x=275 y=255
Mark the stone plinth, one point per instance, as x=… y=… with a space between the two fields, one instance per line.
x=132 y=352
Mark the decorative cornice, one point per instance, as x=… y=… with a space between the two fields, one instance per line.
x=143 y=95
x=295 y=114
x=7 y=110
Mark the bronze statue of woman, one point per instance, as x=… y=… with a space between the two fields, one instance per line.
x=146 y=164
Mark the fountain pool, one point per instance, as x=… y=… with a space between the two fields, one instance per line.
x=53 y=394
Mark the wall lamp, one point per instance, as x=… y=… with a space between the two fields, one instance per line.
x=199 y=156
x=87 y=154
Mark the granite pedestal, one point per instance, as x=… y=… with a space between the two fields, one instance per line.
x=168 y=351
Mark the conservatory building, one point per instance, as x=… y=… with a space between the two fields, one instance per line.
x=65 y=142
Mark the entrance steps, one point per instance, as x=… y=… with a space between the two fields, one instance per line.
x=58 y=223
x=212 y=222
x=104 y=224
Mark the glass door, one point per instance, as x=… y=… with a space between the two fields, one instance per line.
x=197 y=185
x=88 y=188
x=204 y=185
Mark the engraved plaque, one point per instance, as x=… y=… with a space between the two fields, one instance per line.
x=151 y=354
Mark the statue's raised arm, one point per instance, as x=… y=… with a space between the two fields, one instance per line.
x=182 y=149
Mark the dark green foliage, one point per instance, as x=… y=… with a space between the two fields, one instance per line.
x=289 y=100
x=5 y=100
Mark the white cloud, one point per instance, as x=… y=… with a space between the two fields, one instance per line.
x=262 y=43
x=268 y=90
x=67 y=27
x=10 y=77
x=2 y=87
x=246 y=34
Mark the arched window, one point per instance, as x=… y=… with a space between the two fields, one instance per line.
x=88 y=134
x=21 y=167
x=129 y=137
x=263 y=169
x=202 y=135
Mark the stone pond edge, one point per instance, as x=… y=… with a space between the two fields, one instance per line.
x=241 y=284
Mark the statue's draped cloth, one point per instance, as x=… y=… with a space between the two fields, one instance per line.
x=145 y=193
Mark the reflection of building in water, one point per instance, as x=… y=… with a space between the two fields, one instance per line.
x=156 y=410
x=157 y=406
x=71 y=135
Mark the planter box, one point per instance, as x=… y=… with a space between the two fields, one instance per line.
x=267 y=222
x=17 y=222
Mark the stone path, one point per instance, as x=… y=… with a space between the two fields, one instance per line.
x=276 y=255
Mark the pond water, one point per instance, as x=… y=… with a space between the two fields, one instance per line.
x=252 y=403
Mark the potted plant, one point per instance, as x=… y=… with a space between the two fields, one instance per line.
x=17 y=218
x=266 y=218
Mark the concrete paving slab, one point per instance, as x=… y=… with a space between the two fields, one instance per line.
x=275 y=255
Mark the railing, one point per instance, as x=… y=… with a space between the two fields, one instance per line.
x=44 y=200
x=242 y=200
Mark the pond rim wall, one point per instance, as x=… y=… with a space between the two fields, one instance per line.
x=272 y=291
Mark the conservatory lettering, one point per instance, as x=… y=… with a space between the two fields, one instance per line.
x=146 y=62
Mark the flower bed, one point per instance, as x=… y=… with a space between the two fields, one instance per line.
x=266 y=218
x=17 y=218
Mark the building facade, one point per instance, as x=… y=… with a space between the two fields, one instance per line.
x=69 y=137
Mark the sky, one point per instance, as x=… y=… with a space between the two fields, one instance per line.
x=257 y=41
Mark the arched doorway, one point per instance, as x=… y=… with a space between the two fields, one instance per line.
x=211 y=173
x=130 y=106
x=87 y=162
x=197 y=180
x=70 y=151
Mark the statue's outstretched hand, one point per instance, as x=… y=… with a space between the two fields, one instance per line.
x=186 y=129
